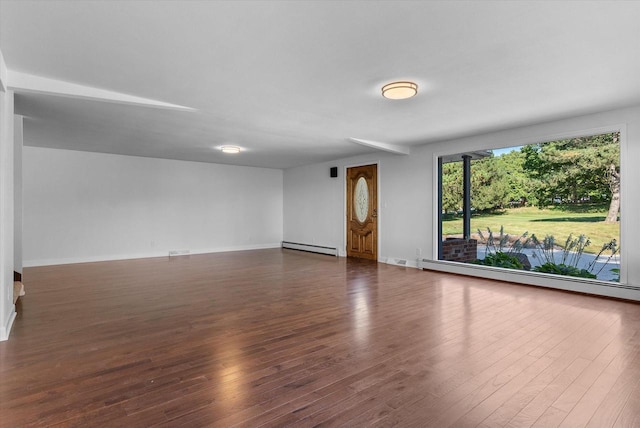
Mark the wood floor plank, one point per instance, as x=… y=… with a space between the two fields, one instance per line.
x=563 y=355
x=285 y=338
x=472 y=385
x=582 y=413
x=572 y=395
x=551 y=418
x=629 y=416
x=611 y=407
x=528 y=414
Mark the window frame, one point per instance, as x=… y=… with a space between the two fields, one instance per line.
x=525 y=277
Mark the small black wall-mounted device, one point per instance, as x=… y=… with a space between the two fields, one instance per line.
x=333 y=171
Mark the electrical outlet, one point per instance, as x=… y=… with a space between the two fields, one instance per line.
x=418 y=252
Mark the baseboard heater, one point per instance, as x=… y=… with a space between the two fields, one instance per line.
x=310 y=248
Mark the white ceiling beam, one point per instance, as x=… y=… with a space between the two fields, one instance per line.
x=23 y=82
x=385 y=147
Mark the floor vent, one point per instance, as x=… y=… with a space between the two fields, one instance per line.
x=174 y=253
x=310 y=248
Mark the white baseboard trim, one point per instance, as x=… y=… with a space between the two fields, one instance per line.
x=163 y=253
x=5 y=329
x=598 y=288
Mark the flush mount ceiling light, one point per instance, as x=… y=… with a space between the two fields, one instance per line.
x=230 y=149
x=399 y=90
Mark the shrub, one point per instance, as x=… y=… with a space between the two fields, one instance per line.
x=617 y=272
x=504 y=243
x=570 y=256
x=562 y=269
x=500 y=259
x=570 y=253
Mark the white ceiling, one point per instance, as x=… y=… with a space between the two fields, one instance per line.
x=291 y=82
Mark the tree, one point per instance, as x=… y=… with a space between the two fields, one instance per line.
x=576 y=169
x=491 y=187
x=452 y=187
x=489 y=184
x=520 y=186
x=614 y=184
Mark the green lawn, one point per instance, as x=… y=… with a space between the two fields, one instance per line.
x=557 y=221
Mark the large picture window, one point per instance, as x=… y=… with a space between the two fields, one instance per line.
x=551 y=207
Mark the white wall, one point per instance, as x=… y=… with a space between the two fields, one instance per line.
x=81 y=206
x=17 y=193
x=314 y=204
x=314 y=207
x=7 y=308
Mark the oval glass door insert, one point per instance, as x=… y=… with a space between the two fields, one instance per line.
x=361 y=199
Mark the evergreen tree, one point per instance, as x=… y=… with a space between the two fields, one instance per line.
x=571 y=171
x=576 y=169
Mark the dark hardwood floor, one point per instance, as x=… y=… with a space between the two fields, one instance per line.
x=279 y=337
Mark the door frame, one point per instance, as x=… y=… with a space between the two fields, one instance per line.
x=377 y=163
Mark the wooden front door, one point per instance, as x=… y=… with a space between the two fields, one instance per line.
x=362 y=212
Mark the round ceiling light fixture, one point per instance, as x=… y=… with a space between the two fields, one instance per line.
x=399 y=90
x=230 y=149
